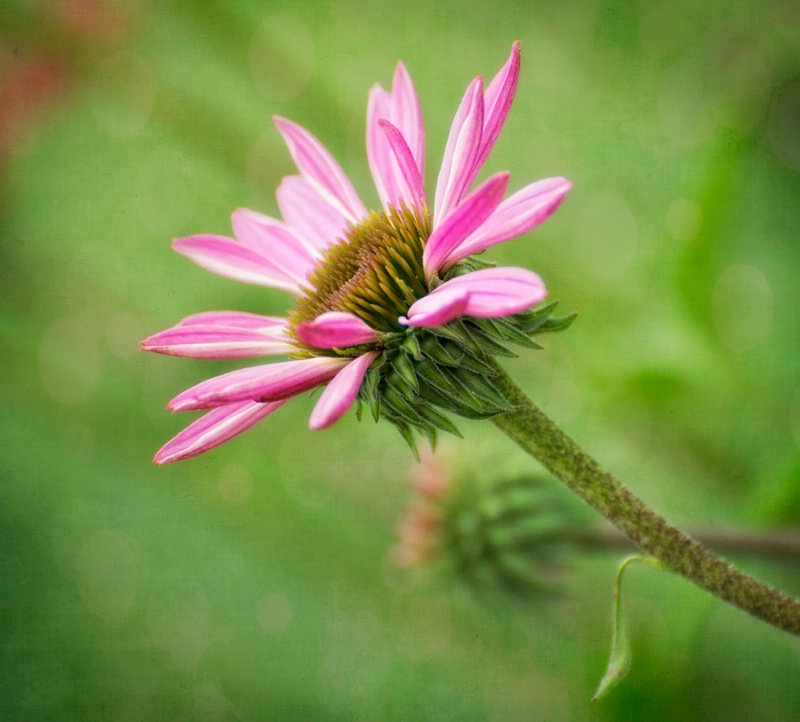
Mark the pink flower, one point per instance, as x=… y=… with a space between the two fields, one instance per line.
x=381 y=296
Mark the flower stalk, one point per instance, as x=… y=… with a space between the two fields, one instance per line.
x=540 y=437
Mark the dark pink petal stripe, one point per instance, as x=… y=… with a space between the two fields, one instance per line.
x=412 y=190
x=270 y=382
x=219 y=342
x=437 y=311
x=214 y=428
x=341 y=392
x=335 y=329
x=488 y=293
x=497 y=102
x=407 y=115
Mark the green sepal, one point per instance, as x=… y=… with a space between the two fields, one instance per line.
x=394 y=401
x=437 y=377
x=469 y=409
x=458 y=404
x=369 y=391
x=411 y=345
x=482 y=388
x=562 y=323
x=408 y=437
x=425 y=373
x=507 y=331
x=439 y=352
x=440 y=421
x=456 y=331
x=487 y=340
x=403 y=365
x=399 y=383
x=541 y=320
x=462 y=402
x=477 y=365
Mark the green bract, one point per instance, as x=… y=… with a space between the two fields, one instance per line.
x=424 y=373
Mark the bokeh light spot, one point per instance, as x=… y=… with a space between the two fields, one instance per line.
x=69 y=361
x=742 y=306
x=281 y=57
x=274 y=613
x=184 y=628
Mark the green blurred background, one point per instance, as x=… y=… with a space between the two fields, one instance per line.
x=252 y=583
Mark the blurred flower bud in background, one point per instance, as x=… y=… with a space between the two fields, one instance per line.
x=479 y=522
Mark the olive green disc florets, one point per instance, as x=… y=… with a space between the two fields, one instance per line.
x=375 y=272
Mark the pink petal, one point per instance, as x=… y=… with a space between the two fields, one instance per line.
x=320 y=169
x=438 y=311
x=233 y=260
x=488 y=293
x=516 y=215
x=311 y=217
x=270 y=382
x=407 y=115
x=381 y=160
x=412 y=190
x=463 y=221
x=214 y=428
x=497 y=102
x=401 y=108
x=463 y=144
x=335 y=329
x=341 y=392
x=219 y=342
x=274 y=240
x=236 y=319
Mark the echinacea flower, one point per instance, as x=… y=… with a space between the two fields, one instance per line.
x=475 y=520
x=392 y=309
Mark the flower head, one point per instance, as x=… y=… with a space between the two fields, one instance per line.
x=474 y=521
x=391 y=307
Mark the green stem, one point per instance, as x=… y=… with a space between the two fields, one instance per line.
x=559 y=454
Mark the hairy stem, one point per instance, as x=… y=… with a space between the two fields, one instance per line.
x=562 y=456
